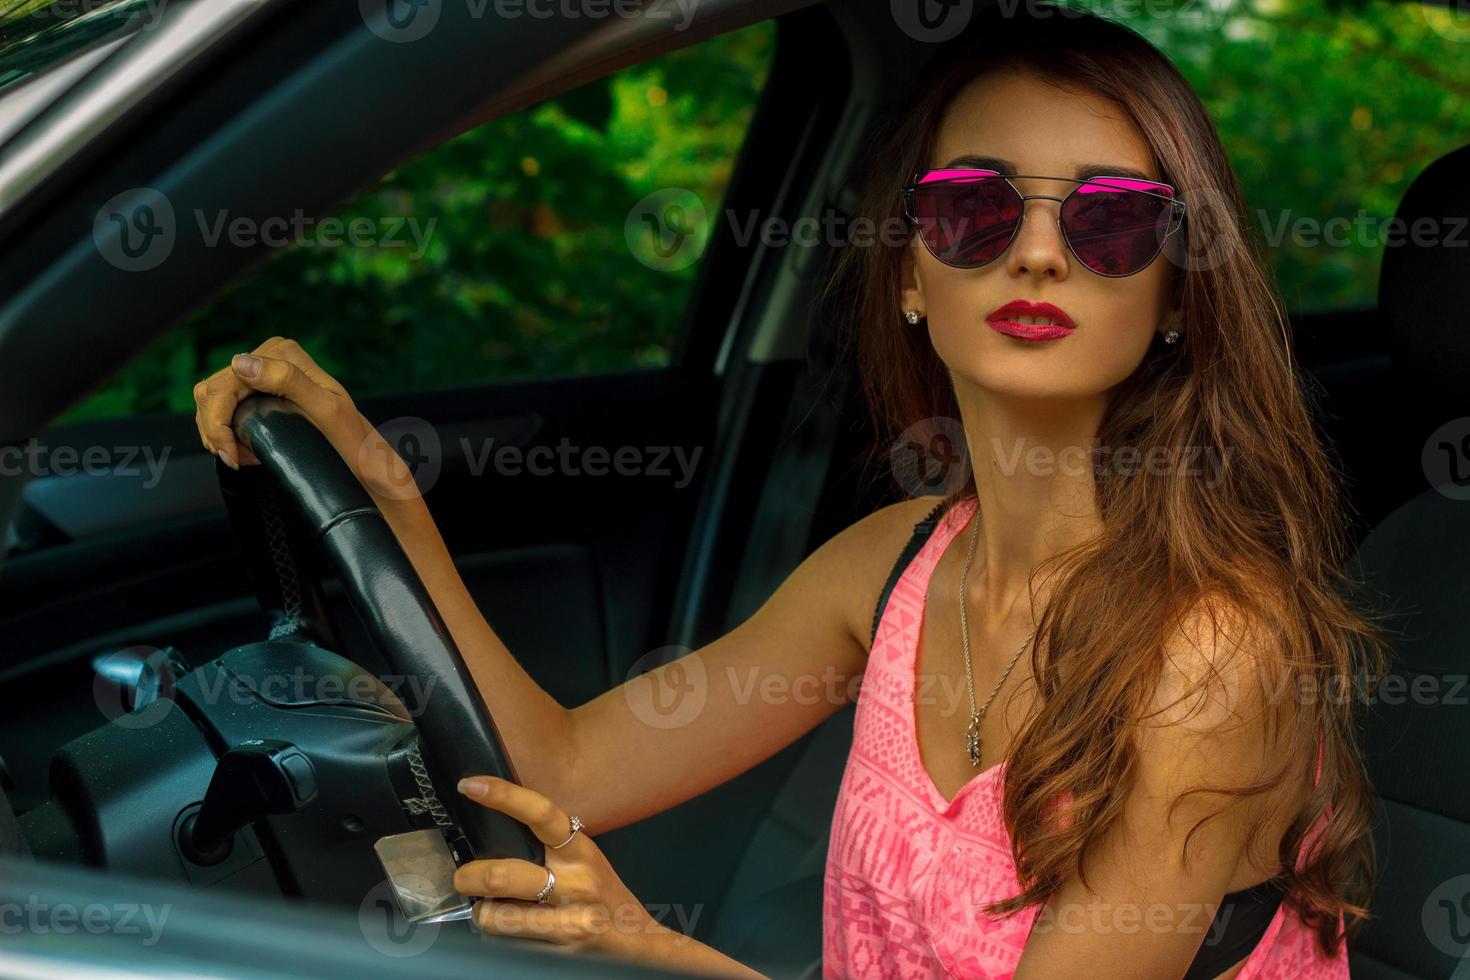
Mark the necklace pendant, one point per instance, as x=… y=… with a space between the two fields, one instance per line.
x=972 y=739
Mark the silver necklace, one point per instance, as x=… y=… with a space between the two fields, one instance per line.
x=972 y=734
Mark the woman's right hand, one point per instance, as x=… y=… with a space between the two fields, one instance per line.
x=281 y=367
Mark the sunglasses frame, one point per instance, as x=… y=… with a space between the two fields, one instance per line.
x=1176 y=213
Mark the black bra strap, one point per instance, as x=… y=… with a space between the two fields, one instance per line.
x=1247 y=914
x=922 y=530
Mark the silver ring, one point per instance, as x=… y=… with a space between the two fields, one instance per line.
x=576 y=826
x=545 y=893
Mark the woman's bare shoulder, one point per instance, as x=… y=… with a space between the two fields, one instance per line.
x=858 y=559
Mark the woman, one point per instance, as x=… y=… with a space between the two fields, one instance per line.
x=1166 y=791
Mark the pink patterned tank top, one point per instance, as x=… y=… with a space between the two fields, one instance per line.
x=906 y=870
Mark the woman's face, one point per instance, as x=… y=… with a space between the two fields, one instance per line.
x=1013 y=116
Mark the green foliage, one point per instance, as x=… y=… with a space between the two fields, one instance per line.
x=37 y=34
x=527 y=272
x=1324 y=111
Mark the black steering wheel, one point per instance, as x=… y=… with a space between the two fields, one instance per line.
x=345 y=528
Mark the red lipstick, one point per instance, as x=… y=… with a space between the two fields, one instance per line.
x=1004 y=321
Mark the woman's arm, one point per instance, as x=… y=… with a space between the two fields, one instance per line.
x=687 y=726
x=1146 y=912
x=676 y=951
x=662 y=737
x=534 y=726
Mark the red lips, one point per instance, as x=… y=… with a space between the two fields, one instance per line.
x=1003 y=321
x=1021 y=307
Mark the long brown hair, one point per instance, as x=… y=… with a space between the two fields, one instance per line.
x=1269 y=540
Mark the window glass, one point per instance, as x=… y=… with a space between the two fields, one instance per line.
x=1328 y=113
x=516 y=250
x=38 y=34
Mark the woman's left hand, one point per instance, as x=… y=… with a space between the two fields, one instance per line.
x=589 y=908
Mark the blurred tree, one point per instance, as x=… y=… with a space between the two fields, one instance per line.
x=526 y=271
x=1325 y=112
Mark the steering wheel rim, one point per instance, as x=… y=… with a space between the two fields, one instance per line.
x=457 y=733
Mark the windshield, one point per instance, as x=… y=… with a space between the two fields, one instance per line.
x=37 y=34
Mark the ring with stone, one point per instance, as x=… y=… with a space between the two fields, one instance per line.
x=576 y=826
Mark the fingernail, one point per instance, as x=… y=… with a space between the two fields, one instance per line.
x=246 y=365
x=229 y=459
x=473 y=787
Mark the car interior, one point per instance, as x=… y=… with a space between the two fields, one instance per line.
x=266 y=107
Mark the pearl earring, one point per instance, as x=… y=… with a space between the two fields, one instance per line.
x=912 y=316
x=1171 y=337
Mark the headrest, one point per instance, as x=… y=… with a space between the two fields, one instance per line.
x=1424 y=290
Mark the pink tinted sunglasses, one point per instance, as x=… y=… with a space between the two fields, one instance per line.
x=1115 y=226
